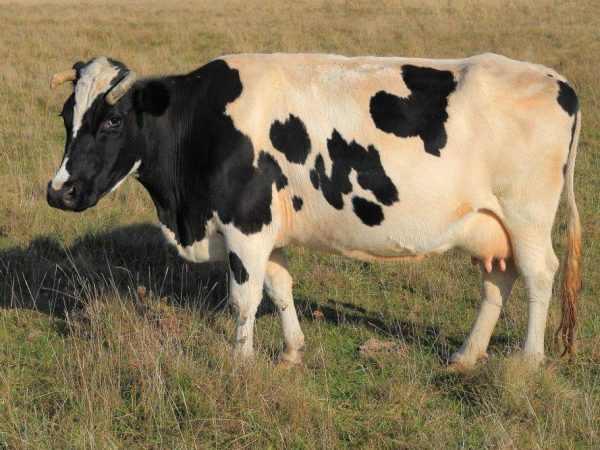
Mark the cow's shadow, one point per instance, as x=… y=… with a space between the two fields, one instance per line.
x=52 y=279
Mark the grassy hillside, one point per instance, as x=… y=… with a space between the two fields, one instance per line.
x=107 y=339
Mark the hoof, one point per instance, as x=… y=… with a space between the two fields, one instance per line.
x=242 y=352
x=287 y=365
x=459 y=363
x=288 y=362
x=459 y=367
x=532 y=360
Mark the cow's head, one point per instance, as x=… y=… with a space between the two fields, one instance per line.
x=102 y=119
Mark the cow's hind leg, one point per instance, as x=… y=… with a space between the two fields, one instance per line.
x=530 y=231
x=537 y=265
x=495 y=290
x=278 y=285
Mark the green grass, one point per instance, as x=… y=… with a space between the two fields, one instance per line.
x=86 y=362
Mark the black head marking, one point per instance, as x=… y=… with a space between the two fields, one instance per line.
x=423 y=113
x=240 y=274
x=291 y=139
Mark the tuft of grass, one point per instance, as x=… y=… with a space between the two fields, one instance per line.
x=108 y=339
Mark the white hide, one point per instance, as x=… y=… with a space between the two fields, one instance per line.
x=211 y=248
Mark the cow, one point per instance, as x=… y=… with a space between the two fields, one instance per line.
x=375 y=158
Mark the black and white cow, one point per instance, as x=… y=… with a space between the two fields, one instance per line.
x=372 y=158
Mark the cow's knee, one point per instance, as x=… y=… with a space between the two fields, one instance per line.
x=278 y=281
x=241 y=308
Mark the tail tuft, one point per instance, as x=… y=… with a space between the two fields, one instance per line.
x=572 y=268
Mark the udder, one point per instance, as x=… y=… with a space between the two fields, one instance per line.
x=483 y=236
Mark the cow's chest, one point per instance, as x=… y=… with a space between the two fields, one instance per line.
x=210 y=248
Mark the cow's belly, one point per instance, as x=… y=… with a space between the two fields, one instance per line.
x=478 y=232
x=390 y=241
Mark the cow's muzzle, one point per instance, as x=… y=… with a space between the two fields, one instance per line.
x=66 y=198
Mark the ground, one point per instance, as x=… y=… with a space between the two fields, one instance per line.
x=108 y=339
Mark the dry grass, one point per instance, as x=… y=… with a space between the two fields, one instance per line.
x=85 y=361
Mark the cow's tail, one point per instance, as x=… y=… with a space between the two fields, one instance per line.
x=572 y=271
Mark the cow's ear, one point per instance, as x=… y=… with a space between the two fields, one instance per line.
x=153 y=98
x=78 y=66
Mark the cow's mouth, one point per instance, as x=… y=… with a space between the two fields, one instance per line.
x=68 y=198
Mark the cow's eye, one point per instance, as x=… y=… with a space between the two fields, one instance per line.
x=113 y=122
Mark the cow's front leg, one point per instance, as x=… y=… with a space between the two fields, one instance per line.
x=278 y=285
x=248 y=256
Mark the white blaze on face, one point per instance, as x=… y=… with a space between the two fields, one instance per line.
x=94 y=80
x=61 y=176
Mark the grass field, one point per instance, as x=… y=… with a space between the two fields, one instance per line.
x=88 y=359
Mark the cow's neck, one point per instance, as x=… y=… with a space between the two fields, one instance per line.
x=174 y=163
x=197 y=163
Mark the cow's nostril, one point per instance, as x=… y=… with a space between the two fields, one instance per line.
x=69 y=196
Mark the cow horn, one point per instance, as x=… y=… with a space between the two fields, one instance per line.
x=62 y=77
x=121 y=88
